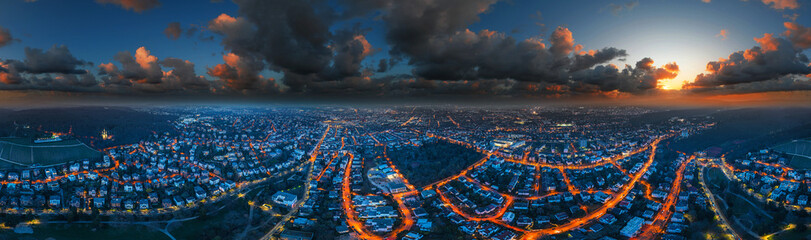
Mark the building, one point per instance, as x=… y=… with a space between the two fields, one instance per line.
x=284 y=199
x=632 y=228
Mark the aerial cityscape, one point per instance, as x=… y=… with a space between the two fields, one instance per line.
x=405 y=119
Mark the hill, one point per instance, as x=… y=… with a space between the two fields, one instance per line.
x=24 y=152
x=739 y=131
x=86 y=123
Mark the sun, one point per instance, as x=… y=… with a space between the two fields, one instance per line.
x=670 y=84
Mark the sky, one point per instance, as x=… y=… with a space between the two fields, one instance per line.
x=693 y=50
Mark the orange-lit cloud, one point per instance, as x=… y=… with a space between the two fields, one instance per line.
x=767 y=42
x=562 y=42
x=722 y=34
x=799 y=35
x=144 y=58
x=8 y=78
x=782 y=4
x=771 y=67
x=239 y=74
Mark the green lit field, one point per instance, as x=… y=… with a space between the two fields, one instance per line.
x=800 y=151
x=24 y=152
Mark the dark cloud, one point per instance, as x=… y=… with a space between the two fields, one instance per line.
x=290 y=35
x=631 y=79
x=5 y=37
x=52 y=70
x=173 y=30
x=9 y=75
x=56 y=82
x=134 y=5
x=57 y=59
x=382 y=66
x=412 y=25
x=139 y=68
x=350 y=49
x=591 y=58
x=785 y=83
x=182 y=75
x=434 y=37
x=774 y=58
x=238 y=73
x=294 y=38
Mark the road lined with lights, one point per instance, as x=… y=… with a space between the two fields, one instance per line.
x=731 y=233
x=576 y=223
x=313 y=155
x=662 y=217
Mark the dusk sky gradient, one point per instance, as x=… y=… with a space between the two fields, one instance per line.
x=235 y=49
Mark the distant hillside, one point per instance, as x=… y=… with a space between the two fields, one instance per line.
x=742 y=130
x=24 y=152
x=125 y=124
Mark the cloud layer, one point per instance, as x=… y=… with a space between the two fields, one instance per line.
x=778 y=63
x=316 y=48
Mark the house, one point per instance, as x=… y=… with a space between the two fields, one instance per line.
x=412 y=236
x=632 y=227
x=98 y=202
x=487 y=229
x=596 y=227
x=380 y=224
x=682 y=206
x=284 y=199
x=648 y=214
x=55 y=201
x=561 y=216
x=199 y=192
x=469 y=227
x=524 y=221
x=508 y=217
x=115 y=203
x=504 y=235
x=541 y=220
x=143 y=204
x=424 y=225
x=486 y=209
x=428 y=193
